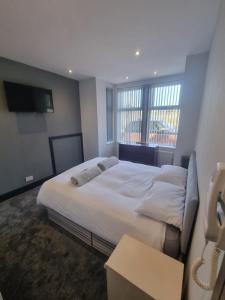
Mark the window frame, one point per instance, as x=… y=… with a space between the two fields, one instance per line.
x=147 y=87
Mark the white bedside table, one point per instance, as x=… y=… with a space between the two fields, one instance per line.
x=135 y=271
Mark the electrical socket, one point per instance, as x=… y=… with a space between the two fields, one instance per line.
x=29 y=178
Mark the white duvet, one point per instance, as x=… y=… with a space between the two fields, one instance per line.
x=106 y=205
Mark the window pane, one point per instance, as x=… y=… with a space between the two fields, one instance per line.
x=163 y=115
x=166 y=95
x=163 y=127
x=129 y=116
x=109 y=114
x=158 y=124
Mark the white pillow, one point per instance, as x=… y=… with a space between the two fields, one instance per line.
x=173 y=174
x=165 y=203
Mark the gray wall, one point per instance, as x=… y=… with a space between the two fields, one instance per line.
x=191 y=99
x=24 y=148
x=210 y=147
x=89 y=119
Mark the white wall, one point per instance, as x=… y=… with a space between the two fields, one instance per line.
x=191 y=99
x=89 y=120
x=210 y=145
x=93 y=118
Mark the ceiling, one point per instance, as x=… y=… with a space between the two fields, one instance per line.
x=99 y=37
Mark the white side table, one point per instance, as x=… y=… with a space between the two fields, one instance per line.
x=135 y=271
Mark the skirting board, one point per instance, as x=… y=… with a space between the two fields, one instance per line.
x=80 y=232
x=23 y=189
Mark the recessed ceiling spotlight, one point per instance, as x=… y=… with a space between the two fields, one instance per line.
x=155 y=73
x=70 y=71
x=126 y=77
x=137 y=53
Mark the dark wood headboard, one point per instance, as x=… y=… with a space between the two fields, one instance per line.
x=139 y=153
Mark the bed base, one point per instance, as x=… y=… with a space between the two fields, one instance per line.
x=82 y=233
x=171 y=244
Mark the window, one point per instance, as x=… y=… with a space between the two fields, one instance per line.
x=109 y=114
x=149 y=114
x=129 y=115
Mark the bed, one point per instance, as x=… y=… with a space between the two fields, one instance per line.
x=102 y=210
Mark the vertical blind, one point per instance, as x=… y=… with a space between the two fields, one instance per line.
x=149 y=114
x=129 y=115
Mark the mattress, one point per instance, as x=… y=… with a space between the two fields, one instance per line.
x=106 y=205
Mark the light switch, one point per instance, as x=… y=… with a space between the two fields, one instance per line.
x=29 y=178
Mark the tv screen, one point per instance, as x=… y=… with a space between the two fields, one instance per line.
x=25 y=98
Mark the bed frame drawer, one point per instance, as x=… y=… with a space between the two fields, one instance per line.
x=102 y=245
x=82 y=233
x=73 y=228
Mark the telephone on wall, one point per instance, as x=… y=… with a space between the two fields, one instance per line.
x=214 y=226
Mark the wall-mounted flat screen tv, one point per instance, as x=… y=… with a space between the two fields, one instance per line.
x=25 y=98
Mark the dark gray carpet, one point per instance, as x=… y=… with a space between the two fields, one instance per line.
x=40 y=261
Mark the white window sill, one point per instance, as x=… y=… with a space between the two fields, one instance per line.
x=108 y=143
